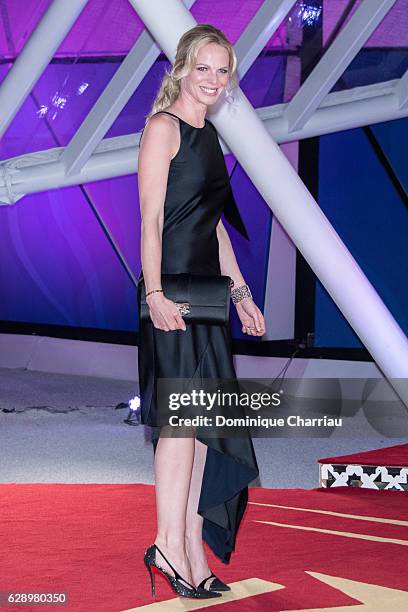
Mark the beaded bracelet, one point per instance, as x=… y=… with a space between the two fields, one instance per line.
x=154 y=291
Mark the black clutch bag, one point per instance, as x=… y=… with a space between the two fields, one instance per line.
x=207 y=298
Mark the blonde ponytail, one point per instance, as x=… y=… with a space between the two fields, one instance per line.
x=168 y=92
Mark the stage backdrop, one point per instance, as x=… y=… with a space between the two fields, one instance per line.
x=70 y=257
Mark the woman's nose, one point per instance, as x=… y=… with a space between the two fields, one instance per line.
x=213 y=78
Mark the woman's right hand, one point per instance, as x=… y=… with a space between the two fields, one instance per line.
x=164 y=313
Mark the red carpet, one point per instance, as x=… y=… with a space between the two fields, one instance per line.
x=88 y=540
x=391 y=456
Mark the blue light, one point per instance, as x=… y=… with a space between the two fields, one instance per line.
x=309 y=13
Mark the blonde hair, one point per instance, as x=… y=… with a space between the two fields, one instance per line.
x=186 y=54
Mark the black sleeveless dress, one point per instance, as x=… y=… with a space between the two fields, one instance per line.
x=198 y=189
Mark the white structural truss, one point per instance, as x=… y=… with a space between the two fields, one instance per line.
x=36 y=55
x=334 y=62
x=402 y=92
x=118 y=92
x=250 y=135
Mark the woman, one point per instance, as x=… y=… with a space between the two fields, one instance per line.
x=201 y=485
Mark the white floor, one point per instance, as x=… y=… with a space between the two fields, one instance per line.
x=66 y=429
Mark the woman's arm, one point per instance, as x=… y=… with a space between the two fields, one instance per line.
x=160 y=142
x=153 y=168
x=252 y=319
x=228 y=262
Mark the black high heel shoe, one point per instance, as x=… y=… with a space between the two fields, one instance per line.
x=177 y=582
x=216 y=584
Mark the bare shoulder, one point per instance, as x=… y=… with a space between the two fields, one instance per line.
x=161 y=126
x=162 y=130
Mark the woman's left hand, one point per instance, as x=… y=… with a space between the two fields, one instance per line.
x=252 y=319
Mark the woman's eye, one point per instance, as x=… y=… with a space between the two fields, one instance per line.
x=202 y=68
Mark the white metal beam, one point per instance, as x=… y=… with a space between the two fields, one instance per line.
x=280 y=282
x=136 y=65
x=113 y=157
x=342 y=110
x=35 y=56
x=111 y=102
x=43 y=170
x=278 y=316
x=259 y=30
x=402 y=92
x=334 y=62
x=295 y=208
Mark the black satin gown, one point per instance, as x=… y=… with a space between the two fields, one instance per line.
x=198 y=191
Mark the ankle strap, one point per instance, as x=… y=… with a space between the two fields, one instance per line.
x=176 y=574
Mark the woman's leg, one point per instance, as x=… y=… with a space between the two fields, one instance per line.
x=194 y=522
x=173 y=467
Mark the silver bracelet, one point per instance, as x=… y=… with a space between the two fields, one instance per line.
x=240 y=293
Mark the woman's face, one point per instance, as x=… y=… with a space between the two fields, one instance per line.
x=210 y=74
